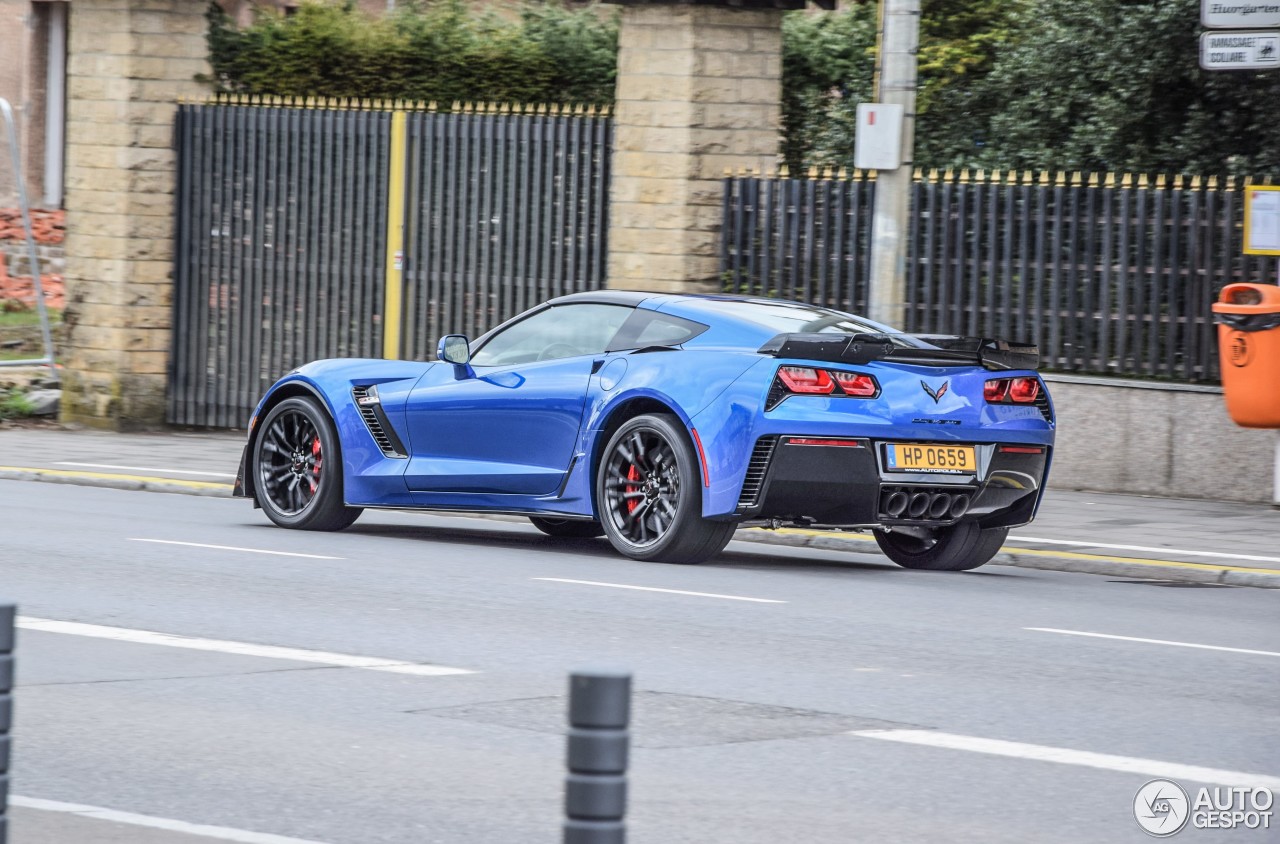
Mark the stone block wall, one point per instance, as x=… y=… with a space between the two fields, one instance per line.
x=699 y=92
x=1149 y=438
x=128 y=63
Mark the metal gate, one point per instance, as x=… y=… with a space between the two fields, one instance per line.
x=309 y=230
x=1109 y=275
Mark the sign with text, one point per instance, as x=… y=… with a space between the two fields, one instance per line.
x=1262 y=220
x=1226 y=14
x=1240 y=50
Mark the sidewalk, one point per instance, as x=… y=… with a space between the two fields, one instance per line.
x=1117 y=535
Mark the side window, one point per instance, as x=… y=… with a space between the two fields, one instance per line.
x=650 y=328
x=564 y=331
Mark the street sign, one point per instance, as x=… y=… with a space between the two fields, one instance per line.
x=1226 y=14
x=1240 y=50
x=1262 y=220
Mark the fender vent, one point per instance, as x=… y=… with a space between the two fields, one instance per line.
x=1042 y=403
x=375 y=420
x=756 y=470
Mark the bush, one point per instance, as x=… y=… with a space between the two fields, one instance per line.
x=442 y=51
x=1029 y=84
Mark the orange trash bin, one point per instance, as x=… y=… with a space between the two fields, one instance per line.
x=1248 y=317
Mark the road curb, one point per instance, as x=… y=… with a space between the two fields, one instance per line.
x=1126 y=567
x=1045 y=560
x=112 y=481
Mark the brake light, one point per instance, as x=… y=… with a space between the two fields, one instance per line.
x=805 y=380
x=1024 y=390
x=856 y=384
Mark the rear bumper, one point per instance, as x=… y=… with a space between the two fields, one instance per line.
x=848 y=485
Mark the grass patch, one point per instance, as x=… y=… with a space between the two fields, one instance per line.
x=27 y=317
x=14 y=405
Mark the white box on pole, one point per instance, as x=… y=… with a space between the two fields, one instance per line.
x=877 y=143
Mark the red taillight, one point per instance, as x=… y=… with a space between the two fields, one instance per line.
x=824 y=441
x=1017 y=390
x=803 y=379
x=1024 y=390
x=856 y=384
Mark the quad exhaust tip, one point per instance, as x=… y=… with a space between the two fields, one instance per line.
x=921 y=504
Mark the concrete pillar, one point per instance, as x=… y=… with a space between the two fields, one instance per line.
x=128 y=63
x=699 y=91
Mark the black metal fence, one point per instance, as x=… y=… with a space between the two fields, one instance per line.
x=280 y=253
x=506 y=210
x=284 y=216
x=1109 y=277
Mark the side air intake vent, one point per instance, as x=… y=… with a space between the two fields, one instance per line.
x=756 y=470
x=1042 y=402
x=375 y=419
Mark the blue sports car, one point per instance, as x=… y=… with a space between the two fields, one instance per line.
x=664 y=422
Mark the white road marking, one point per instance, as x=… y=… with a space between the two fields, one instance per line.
x=1065 y=756
x=144 y=469
x=234 y=548
x=1152 y=641
x=98 y=813
x=172 y=640
x=655 y=589
x=1253 y=557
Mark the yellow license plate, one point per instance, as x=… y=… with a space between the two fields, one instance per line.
x=926 y=457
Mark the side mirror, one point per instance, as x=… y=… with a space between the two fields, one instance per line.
x=454 y=349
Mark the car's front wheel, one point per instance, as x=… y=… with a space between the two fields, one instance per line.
x=959 y=547
x=298 y=468
x=649 y=493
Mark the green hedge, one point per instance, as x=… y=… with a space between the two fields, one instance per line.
x=441 y=51
x=1028 y=84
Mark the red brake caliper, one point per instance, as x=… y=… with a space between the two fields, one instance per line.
x=633 y=474
x=315 y=468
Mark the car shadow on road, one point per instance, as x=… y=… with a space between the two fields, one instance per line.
x=761 y=557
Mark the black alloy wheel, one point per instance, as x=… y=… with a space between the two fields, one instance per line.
x=960 y=547
x=649 y=493
x=298 y=468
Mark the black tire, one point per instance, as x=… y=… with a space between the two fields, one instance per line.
x=297 y=468
x=956 y=548
x=567 y=528
x=649 y=494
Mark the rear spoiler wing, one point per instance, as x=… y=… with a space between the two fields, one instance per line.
x=935 y=350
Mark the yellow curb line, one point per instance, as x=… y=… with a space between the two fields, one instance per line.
x=1071 y=555
x=104 y=476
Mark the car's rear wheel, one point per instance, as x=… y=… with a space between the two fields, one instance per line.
x=959 y=547
x=298 y=468
x=649 y=493
x=567 y=528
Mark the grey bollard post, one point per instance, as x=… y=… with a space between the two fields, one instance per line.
x=595 y=792
x=7 y=616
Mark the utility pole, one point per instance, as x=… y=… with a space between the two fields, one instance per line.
x=895 y=84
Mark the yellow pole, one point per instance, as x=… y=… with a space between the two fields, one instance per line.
x=393 y=306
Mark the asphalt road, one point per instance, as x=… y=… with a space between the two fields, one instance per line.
x=816 y=712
